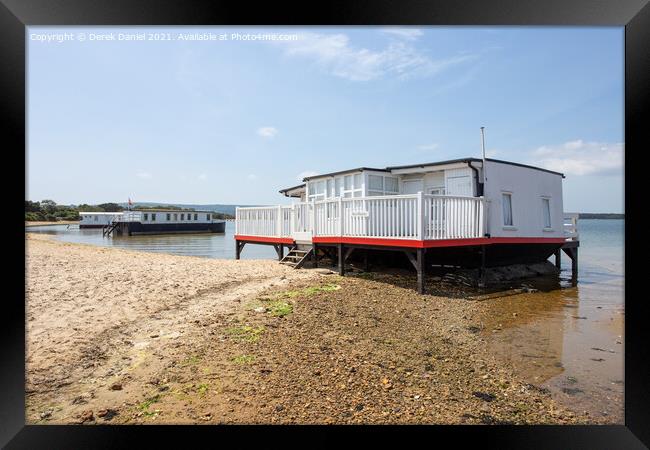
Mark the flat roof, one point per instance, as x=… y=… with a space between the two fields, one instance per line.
x=452 y=161
x=282 y=191
x=331 y=174
x=97 y=213
x=422 y=165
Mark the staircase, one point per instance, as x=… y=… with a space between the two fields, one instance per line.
x=108 y=229
x=296 y=257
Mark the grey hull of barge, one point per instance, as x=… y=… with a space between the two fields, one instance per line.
x=138 y=228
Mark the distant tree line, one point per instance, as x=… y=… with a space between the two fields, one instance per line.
x=49 y=211
x=601 y=216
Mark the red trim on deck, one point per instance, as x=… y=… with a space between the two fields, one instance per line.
x=273 y=240
x=526 y=240
x=434 y=242
x=413 y=243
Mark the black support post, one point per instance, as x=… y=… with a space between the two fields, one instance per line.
x=481 y=271
x=558 y=258
x=279 y=249
x=341 y=260
x=238 y=246
x=366 y=263
x=420 y=270
x=314 y=256
x=574 y=265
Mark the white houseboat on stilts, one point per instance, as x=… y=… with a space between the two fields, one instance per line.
x=466 y=212
x=97 y=219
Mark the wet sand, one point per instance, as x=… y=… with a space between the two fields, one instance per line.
x=42 y=224
x=117 y=336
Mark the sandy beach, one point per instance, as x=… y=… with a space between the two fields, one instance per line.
x=116 y=336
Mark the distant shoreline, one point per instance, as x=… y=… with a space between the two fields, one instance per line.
x=601 y=216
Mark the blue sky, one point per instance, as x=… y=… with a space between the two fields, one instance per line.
x=234 y=120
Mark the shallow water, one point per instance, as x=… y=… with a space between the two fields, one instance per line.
x=570 y=339
x=567 y=339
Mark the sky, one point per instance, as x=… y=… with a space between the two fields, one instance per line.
x=246 y=111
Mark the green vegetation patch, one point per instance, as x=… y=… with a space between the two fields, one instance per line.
x=144 y=406
x=202 y=388
x=245 y=333
x=243 y=359
x=191 y=360
x=280 y=308
x=305 y=292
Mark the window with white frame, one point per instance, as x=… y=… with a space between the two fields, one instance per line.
x=506 y=202
x=391 y=185
x=338 y=186
x=546 y=211
x=382 y=185
x=317 y=190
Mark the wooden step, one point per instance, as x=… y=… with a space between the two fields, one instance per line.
x=295 y=257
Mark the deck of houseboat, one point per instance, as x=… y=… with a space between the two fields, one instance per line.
x=415 y=220
x=411 y=223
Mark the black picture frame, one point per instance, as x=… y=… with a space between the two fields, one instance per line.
x=634 y=15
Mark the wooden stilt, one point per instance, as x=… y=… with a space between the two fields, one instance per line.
x=481 y=270
x=558 y=259
x=366 y=262
x=341 y=260
x=420 y=270
x=314 y=256
x=279 y=249
x=574 y=266
x=572 y=252
x=238 y=248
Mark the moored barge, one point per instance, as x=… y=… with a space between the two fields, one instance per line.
x=161 y=221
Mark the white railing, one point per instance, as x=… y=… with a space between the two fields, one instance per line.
x=271 y=221
x=570 y=225
x=415 y=216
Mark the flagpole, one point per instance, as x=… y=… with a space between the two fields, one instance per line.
x=483 y=148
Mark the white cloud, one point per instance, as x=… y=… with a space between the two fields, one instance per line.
x=144 y=175
x=267 y=132
x=427 y=147
x=252 y=176
x=335 y=54
x=410 y=34
x=202 y=177
x=305 y=174
x=581 y=158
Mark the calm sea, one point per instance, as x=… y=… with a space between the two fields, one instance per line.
x=567 y=339
x=208 y=245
